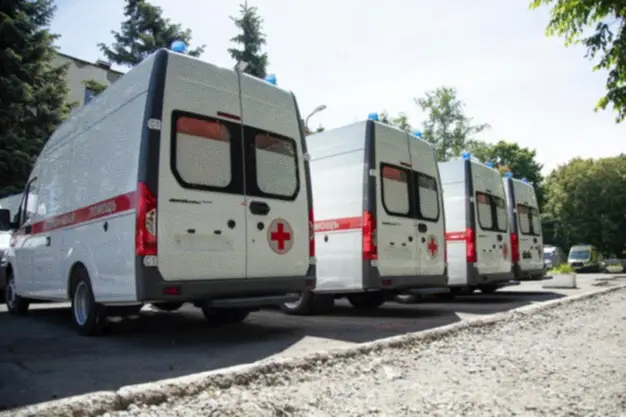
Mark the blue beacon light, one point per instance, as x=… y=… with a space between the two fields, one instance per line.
x=373 y=116
x=508 y=174
x=271 y=78
x=418 y=134
x=466 y=155
x=525 y=181
x=489 y=164
x=178 y=46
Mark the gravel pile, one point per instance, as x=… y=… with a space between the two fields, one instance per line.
x=568 y=361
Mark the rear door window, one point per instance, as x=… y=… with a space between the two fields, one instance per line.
x=276 y=165
x=502 y=217
x=528 y=220
x=485 y=214
x=201 y=152
x=395 y=190
x=427 y=197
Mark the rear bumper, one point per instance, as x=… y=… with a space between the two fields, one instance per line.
x=409 y=283
x=527 y=273
x=476 y=279
x=248 y=292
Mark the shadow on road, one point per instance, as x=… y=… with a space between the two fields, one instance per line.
x=42 y=358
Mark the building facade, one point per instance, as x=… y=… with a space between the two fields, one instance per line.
x=79 y=71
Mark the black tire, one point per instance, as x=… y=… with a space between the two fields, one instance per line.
x=367 y=300
x=89 y=317
x=225 y=315
x=15 y=304
x=167 y=306
x=309 y=303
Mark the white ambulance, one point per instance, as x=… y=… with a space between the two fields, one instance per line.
x=181 y=182
x=477 y=227
x=525 y=223
x=380 y=228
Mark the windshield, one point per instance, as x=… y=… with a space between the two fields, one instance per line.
x=547 y=255
x=580 y=254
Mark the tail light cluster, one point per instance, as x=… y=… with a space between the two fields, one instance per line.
x=514 y=248
x=470 y=245
x=146 y=226
x=370 y=249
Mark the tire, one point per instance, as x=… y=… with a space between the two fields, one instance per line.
x=225 y=315
x=309 y=303
x=167 y=306
x=15 y=304
x=89 y=317
x=367 y=300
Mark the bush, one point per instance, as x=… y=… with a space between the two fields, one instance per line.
x=561 y=270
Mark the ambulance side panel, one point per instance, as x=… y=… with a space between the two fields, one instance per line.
x=457 y=214
x=337 y=171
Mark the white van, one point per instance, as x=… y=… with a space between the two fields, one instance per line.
x=525 y=224
x=380 y=219
x=182 y=182
x=477 y=227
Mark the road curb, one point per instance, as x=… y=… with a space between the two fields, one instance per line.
x=98 y=403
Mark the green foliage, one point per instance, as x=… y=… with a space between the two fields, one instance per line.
x=252 y=40
x=33 y=91
x=318 y=129
x=95 y=86
x=572 y=18
x=144 y=31
x=588 y=198
x=509 y=156
x=561 y=269
x=401 y=120
x=447 y=127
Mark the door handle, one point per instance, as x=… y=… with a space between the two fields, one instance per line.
x=259 y=207
x=499 y=238
x=422 y=228
x=48 y=240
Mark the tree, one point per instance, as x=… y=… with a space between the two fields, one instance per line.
x=252 y=40
x=401 y=120
x=587 y=196
x=33 y=91
x=508 y=156
x=94 y=86
x=144 y=31
x=318 y=129
x=572 y=19
x=447 y=127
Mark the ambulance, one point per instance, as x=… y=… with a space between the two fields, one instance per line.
x=525 y=223
x=477 y=227
x=379 y=228
x=181 y=182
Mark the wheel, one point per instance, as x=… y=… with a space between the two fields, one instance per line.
x=367 y=300
x=15 y=303
x=224 y=315
x=309 y=303
x=89 y=317
x=488 y=289
x=167 y=306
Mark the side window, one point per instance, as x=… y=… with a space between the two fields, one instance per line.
x=428 y=197
x=29 y=204
x=276 y=165
x=483 y=208
x=202 y=152
x=502 y=217
x=395 y=190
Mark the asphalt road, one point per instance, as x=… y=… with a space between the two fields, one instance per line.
x=42 y=358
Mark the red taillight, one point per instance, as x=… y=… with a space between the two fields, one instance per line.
x=311 y=234
x=514 y=248
x=370 y=250
x=145 y=231
x=470 y=245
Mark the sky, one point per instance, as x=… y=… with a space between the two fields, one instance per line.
x=364 y=56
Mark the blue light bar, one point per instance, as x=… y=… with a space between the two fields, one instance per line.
x=373 y=116
x=524 y=180
x=508 y=174
x=271 y=78
x=179 y=46
x=489 y=164
x=418 y=133
x=466 y=155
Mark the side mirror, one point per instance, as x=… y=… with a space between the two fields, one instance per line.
x=5 y=220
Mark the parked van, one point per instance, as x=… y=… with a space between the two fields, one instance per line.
x=553 y=256
x=380 y=218
x=181 y=182
x=525 y=224
x=477 y=227
x=585 y=258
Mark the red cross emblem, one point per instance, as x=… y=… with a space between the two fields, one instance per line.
x=505 y=251
x=280 y=236
x=432 y=246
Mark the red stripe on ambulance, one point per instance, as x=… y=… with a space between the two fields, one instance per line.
x=344 y=223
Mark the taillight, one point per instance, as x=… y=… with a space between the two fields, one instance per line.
x=370 y=250
x=146 y=228
x=311 y=234
x=514 y=248
x=470 y=245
